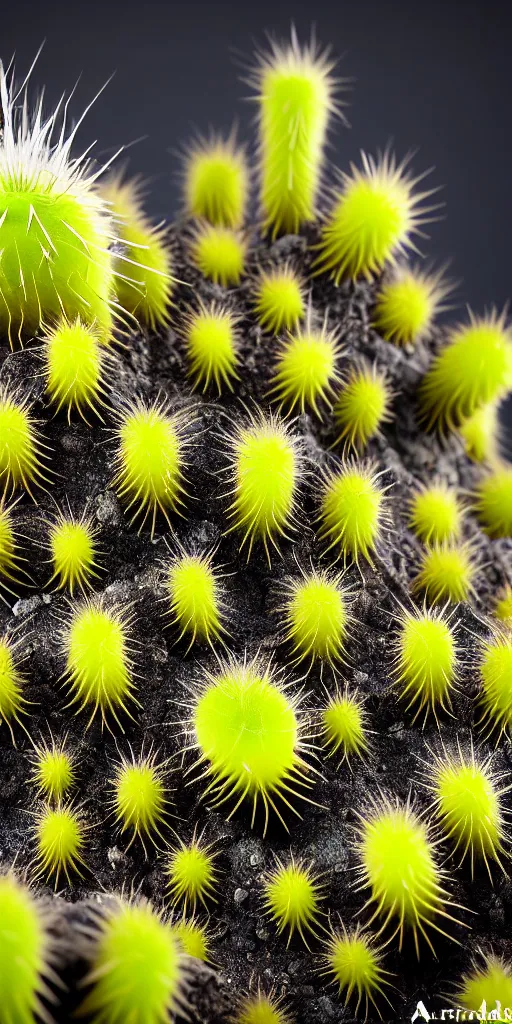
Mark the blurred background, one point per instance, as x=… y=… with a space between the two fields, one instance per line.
x=434 y=77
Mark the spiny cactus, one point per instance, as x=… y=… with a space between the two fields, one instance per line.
x=256 y=562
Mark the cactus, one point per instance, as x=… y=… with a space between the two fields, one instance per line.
x=256 y=565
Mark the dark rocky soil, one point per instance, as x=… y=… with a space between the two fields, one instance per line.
x=245 y=943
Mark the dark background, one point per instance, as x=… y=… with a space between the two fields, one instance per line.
x=434 y=77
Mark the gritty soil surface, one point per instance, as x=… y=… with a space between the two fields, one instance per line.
x=80 y=466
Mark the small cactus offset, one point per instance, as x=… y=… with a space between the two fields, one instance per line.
x=256 y=580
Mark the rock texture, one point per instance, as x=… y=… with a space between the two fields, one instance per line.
x=245 y=944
